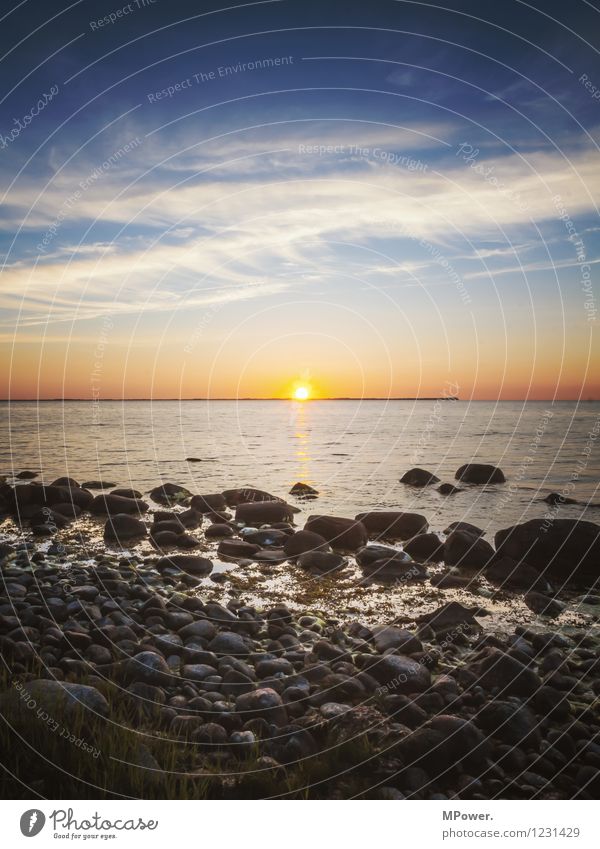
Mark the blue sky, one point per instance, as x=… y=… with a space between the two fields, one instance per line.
x=381 y=197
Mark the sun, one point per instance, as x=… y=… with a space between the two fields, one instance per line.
x=301 y=393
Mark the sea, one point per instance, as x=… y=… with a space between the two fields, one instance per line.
x=353 y=452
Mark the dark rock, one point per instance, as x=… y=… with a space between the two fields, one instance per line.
x=265 y=703
x=208 y=503
x=68 y=510
x=218 y=531
x=543 y=605
x=468 y=551
x=464 y=526
x=392 y=524
x=501 y=671
x=452 y=615
x=259 y=512
x=148 y=667
x=303 y=542
x=123 y=528
x=399 y=674
x=303 y=490
x=480 y=473
x=418 y=477
x=107 y=504
x=556 y=498
x=170 y=494
x=229 y=643
x=191 y=564
x=247 y=494
x=340 y=533
x=510 y=574
x=425 y=548
x=70 y=483
x=321 y=562
x=448 y=489
x=370 y=553
x=237 y=549
x=390 y=637
x=26 y=475
x=127 y=493
x=58 y=698
x=563 y=549
x=265 y=537
x=442 y=744
x=510 y=721
x=98 y=485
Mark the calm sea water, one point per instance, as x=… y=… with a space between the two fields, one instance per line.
x=353 y=452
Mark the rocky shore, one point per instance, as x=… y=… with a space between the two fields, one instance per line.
x=180 y=645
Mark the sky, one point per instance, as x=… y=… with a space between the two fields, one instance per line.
x=382 y=199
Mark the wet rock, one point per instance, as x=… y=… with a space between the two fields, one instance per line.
x=127 y=493
x=502 y=672
x=70 y=483
x=259 y=512
x=98 y=484
x=123 y=528
x=26 y=475
x=148 y=667
x=209 y=502
x=321 y=562
x=480 y=473
x=266 y=537
x=304 y=541
x=510 y=574
x=58 y=698
x=392 y=524
x=510 y=721
x=418 y=477
x=170 y=494
x=450 y=616
x=341 y=533
x=229 y=643
x=237 y=549
x=191 y=564
x=448 y=489
x=567 y=550
x=219 y=531
x=399 y=568
x=303 y=490
x=425 y=548
x=464 y=526
x=247 y=494
x=106 y=504
x=556 y=498
x=265 y=703
x=390 y=637
x=543 y=605
x=398 y=673
x=468 y=551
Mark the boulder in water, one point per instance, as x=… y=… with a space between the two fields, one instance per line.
x=419 y=477
x=480 y=473
x=393 y=524
x=339 y=532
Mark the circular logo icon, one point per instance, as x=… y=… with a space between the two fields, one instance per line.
x=32 y=822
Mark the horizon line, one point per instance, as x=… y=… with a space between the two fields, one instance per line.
x=295 y=400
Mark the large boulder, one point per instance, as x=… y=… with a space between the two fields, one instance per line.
x=123 y=528
x=514 y=575
x=393 y=524
x=34 y=494
x=566 y=550
x=111 y=505
x=341 y=533
x=264 y=512
x=321 y=562
x=480 y=473
x=419 y=477
x=464 y=549
x=169 y=494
